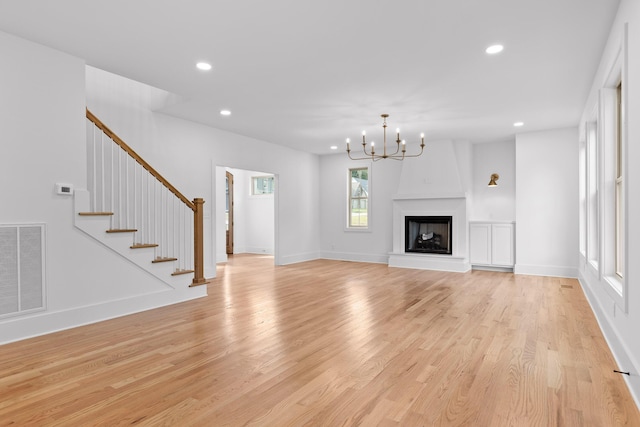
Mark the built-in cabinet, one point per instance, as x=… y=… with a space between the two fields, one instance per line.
x=492 y=244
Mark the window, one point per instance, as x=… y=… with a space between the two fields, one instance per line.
x=611 y=176
x=604 y=171
x=359 y=198
x=261 y=185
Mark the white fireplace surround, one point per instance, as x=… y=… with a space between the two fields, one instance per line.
x=454 y=205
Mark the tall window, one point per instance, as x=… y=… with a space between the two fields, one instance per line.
x=619 y=193
x=359 y=197
x=612 y=187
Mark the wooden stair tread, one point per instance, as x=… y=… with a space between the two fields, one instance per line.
x=179 y=272
x=95 y=213
x=144 y=245
x=122 y=230
x=164 y=259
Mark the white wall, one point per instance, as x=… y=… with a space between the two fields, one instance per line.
x=187 y=154
x=42 y=111
x=620 y=328
x=336 y=241
x=494 y=203
x=547 y=203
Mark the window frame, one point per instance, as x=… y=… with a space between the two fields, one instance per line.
x=613 y=144
x=349 y=225
x=592 y=197
x=253 y=185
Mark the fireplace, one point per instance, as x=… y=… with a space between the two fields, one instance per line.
x=428 y=234
x=445 y=209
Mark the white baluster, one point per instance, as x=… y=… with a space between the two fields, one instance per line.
x=94 y=188
x=102 y=208
x=113 y=189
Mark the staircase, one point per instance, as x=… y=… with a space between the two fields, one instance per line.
x=130 y=208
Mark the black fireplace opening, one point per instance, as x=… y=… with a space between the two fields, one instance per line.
x=428 y=234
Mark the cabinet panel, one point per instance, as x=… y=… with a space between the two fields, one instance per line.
x=480 y=243
x=502 y=244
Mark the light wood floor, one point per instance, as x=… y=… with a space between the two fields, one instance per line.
x=329 y=343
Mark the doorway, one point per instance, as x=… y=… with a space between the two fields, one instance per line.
x=229 y=212
x=245 y=212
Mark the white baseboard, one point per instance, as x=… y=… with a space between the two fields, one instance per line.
x=259 y=251
x=293 y=259
x=355 y=257
x=546 y=270
x=23 y=327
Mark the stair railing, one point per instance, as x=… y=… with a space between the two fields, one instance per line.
x=140 y=200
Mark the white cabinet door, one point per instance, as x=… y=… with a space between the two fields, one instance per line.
x=480 y=244
x=492 y=243
x=502 y=244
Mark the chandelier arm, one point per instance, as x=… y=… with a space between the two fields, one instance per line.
x=368 y=156
x=357 y=158
x=395 y=152
x=416 y=155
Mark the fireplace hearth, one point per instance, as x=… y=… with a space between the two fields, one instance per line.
x=428 y=234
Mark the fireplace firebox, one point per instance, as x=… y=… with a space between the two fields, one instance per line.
x=428 y=234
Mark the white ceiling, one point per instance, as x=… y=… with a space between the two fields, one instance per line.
x=309 y=74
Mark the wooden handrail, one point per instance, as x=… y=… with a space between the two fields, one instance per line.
x=139 y=159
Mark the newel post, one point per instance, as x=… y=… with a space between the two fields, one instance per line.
x=198 y=242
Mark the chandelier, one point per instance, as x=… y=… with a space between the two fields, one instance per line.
x=399 y=154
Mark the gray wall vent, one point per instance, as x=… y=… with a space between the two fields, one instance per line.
x=22 y=287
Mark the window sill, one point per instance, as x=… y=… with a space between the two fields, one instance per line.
x=616 y=284
x=614 y=287
x=357 y=229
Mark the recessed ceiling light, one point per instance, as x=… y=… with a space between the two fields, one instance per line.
x=225 y=112
x=334 y=147
x=204 y=66
x=496 y=48
x=518 y=124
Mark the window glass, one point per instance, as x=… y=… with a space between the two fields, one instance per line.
x=261 y=185
x=619 y=190
x=359 y=197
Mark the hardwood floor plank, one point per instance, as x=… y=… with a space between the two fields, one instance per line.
x=330 y=343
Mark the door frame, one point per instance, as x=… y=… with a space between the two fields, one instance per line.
x=229 y=201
